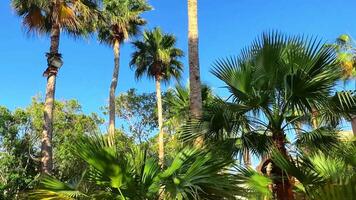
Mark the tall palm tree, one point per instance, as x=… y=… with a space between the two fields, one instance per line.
x=158 y=58
x=121 y=20
x=51 y=17
x=193 y=51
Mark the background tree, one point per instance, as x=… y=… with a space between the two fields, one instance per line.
x=121 y=20
x=138 y=114
x=20 y=133
x=52 y=17
x=157 y=57
x=193 y=53
x=177 y=100
x=346 y=55
x=17 y=168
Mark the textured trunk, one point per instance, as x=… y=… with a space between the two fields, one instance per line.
x=113 y=86
x=353 y=124
x=194 y=71
x=314 y=118
x=160 y=123
x=247 y=158
x=282 y=188
x=51 y=73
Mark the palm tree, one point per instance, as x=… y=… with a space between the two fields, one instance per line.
x=326 y=175
x=134 y=174
x=157 y=57
x=269 y=82
x=121 y=20
x=193 y=51
x=177 y=100
x=346 y=54
x=52 y=17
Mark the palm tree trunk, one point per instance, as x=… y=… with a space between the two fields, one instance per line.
x=194 y=71
x=51 y=73
x=113 y=86
x=282 y=185
x=160 y=123
x=314 y=118
x=353 y=124
x=247 y=158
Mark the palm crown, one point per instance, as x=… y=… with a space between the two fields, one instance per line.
x=73 y=16
x=121 y=19
x=280 y=76
x=157 y=56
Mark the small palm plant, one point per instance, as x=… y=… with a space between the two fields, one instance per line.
x=52 y=17
x=177 y=100
x=193 y=174
x=157 y=57
x=328 y=175
x=121 y=19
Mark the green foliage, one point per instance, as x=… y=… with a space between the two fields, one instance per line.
x=254 y=183
x=19 y=141
x=193 y=174
x=323 y=175
x=177 y=100
x=137 y=113
x=276 y=77
x=121 y=19
x=17 y=169
x=346 y=55
x=74 y=17
x=156 y=56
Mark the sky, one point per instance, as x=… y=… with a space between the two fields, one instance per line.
x=225 y=27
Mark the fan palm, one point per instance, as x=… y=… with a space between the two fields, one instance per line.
x=121 y=20
x=157 y=57
x=193 y=174
x=75 y=17
x=323 y=174
x=271 y=81
x=177 y=100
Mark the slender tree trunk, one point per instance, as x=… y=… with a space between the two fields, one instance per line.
x=113 y=86
x=314 y=118
x=282 y=186
x=194 y=71
x=246 y=158
x=353 y=124
x=51 y=73
x=160 y=123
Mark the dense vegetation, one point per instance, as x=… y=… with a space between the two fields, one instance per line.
x=283 y=110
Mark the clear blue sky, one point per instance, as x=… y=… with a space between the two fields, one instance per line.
x=225 y=26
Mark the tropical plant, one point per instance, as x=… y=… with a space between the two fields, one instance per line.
x=346 y=55
x=121 y=20
x=193 y=53
x=193 y=174
x=326 y=175
x=75 y=17
x=157 y=57
x=177 y=100
x=273 y=84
